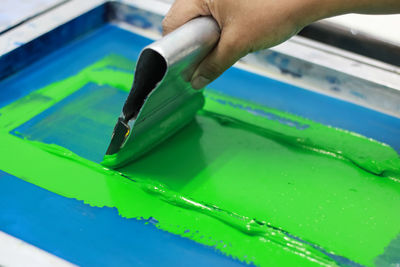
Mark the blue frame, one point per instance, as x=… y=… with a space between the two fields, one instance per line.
x=81 y=233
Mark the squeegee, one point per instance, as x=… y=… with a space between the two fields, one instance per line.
x=162 y=100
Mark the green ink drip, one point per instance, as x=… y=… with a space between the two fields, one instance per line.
x=240 y=177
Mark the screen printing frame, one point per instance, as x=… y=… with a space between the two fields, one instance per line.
x=300 y=61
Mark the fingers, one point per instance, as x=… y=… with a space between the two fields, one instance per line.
x=228 y=50
x=182 y=11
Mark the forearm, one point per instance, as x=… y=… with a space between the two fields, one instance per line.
x=370 y=6
x=314 y=10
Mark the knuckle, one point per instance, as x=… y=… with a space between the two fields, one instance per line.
x=166 y=25
x=236 y=45
x=231 y=44
x=211 y=69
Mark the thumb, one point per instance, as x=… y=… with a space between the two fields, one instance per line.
x=223 y=56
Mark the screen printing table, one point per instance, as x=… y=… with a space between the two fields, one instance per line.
x=301 y=76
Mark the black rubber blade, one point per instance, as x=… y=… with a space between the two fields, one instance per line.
x=120 y=133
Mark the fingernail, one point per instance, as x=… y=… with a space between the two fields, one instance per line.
x=199 y=82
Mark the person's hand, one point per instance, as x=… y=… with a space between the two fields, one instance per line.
x=250 y=25
x=246 y=26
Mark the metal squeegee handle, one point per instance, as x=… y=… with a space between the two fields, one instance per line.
x=179 y=51
x=194 y=39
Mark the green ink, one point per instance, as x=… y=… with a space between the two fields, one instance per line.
x=240 y=177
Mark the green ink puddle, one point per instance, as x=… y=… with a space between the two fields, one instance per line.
x=260 y=185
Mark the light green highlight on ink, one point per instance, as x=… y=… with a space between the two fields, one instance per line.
x=238 y=181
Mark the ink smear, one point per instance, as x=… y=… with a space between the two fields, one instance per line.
x=260 y=185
